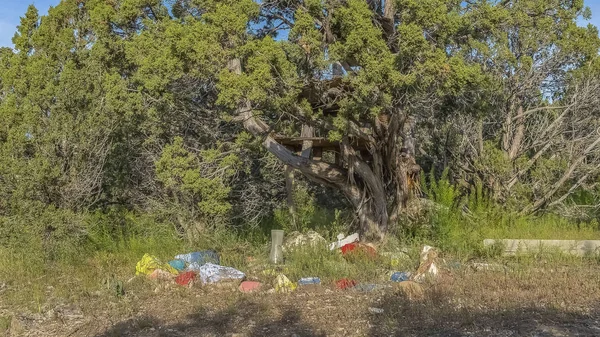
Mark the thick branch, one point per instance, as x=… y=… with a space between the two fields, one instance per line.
x=566 y=176
x=374 y=185
x=528 y=165
x=572 y=189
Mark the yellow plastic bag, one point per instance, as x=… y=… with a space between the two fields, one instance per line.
x=150 y=263
x=284 y=285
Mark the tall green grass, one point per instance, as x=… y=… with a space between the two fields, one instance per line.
x=92 y=250
x=458 y=223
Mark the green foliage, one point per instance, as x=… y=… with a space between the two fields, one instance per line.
x=331 y=266
x=5 y=322
x=305 y=208
x=117 y=132
x=459 y=222
x=201 y=179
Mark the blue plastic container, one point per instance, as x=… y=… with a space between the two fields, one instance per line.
x=309 y=280
x=400 y=276
x=201 y=257
x=179 y=265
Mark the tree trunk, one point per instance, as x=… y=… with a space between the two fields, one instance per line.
x=308 y=132
x=289 y=188
x=566 y=176
x=518 y=135
x=361 y=181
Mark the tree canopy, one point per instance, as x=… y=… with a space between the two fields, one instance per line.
x=192 y=109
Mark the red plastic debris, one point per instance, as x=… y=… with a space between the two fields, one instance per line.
x=249 y=286
x=185 y=278
x=345 y=283
x=358 y=247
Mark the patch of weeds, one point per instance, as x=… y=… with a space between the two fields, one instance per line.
x=114 y=286
x=331 y=265
x=5 y=323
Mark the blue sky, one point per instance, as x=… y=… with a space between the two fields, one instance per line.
x=12 y=10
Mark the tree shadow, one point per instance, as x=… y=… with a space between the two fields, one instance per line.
x=245 y=318
x=436 y=316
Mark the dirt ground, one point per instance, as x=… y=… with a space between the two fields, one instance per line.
x=548 y=301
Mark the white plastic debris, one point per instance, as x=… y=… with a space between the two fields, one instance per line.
x=213 y=273
x=428 y=267
x=376 y=310
x=342 y=241
x=297 y=239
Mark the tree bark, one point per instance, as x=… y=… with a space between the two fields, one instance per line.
x=361 y=180
x=289 y=188
x=566 y=176
x=307 y=131
x=517 y=136
x=407 y=164
x=388 y=24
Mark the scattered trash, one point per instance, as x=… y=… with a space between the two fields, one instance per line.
x=213 y=273
x=428 y=267
x=309 y=280
x=345 y=283
x=376 y=310
x=161 y=275
x=412 y=290
x=178 y=265
x=283 y=285
x=396 y=258
x=297 y=239
x=186 y=278
x=201 y=257
x=149 y=264
x=400 y=276
x=342 y=241
x=357 y=247
x=276 y=255
x=249 y=286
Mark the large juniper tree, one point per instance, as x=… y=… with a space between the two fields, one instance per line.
x=492 y=89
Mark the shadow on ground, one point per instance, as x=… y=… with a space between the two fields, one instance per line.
x=433 y=316
x=246 y=318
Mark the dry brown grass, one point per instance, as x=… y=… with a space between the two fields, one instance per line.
x=529 y=299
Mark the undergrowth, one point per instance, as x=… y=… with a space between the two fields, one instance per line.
x=108 y=245
x=458 y=222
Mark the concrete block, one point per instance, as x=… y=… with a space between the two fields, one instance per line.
x=575 y=247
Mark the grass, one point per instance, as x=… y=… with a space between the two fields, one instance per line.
x=74 y=279
x=83 y=274
x=5 y=323
x=548 y=227
x=86 y=272
x=534 y=290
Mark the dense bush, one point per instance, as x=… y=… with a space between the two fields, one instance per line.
x=125 y=121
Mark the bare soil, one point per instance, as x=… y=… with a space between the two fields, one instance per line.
x=537 y=301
